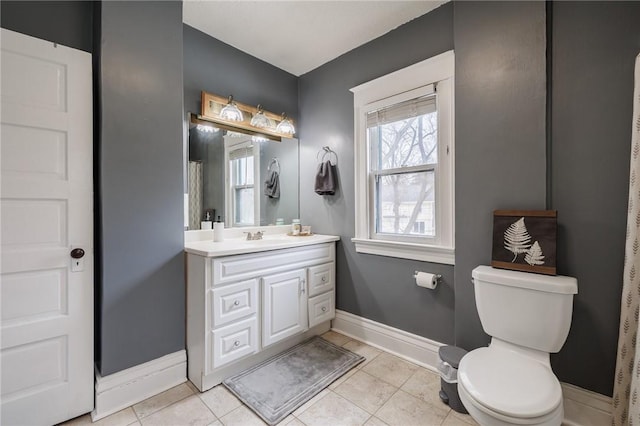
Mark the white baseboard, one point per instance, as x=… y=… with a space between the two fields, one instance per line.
x=125 y=388
x=581 y=407
x=414 y=348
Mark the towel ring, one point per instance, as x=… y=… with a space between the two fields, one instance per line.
x=326 y=151
x=272 y=162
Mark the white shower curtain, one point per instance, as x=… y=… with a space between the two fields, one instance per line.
x=626 y=387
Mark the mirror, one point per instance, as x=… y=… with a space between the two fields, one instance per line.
x=235 y=177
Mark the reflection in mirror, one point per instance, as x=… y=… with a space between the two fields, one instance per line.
x=239 y=179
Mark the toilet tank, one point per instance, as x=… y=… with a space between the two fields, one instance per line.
x=524 y=308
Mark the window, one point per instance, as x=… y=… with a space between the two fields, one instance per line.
x=243 y=196
x=404 y=162
x=242 y=186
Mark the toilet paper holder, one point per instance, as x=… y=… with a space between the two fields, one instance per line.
x=431 y=283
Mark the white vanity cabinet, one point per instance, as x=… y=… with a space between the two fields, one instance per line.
x=245 y=308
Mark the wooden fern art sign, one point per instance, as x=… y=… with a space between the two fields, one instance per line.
x=525 y=240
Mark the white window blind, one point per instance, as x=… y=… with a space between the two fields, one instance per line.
x=241 y=153
x=411 y=108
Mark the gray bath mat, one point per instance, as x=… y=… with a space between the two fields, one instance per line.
x=279 y=385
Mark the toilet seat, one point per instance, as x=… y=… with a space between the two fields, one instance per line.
x=486 y=417
x=509 y=384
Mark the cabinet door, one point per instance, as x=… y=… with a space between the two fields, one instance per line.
x=284 y=309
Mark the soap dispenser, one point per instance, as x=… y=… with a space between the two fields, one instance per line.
x=206 y=224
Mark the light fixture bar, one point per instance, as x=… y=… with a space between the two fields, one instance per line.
x=212 y=105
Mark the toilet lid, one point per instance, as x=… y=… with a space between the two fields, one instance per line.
x=509 y=383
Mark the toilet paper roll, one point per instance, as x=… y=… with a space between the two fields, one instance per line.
x=218 y=231
x=426 y=280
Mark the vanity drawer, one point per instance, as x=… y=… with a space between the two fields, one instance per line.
x=321 y=278
x=321 y=308
x=234 y=341
x=244 y=266
x=232 y=302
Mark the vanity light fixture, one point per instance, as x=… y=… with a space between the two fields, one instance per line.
x=259 y=119
x=228 y=114
x=231 y=112
x=285 y=126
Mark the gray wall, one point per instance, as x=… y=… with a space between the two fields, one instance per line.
x=218 y=68
x=142 y=280
x=500 y=133
x=594 y=48
x=287 y=206
x=69 y=23
x=508 y=155
x=209 y=148
x=138 y=106
x=375 y=287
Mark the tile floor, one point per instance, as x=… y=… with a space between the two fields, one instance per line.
x=382 y=390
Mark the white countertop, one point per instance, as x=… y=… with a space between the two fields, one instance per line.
x=231 y=246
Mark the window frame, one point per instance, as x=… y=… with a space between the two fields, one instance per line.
x=232 y=144
x=408 y=83
x=428 y=90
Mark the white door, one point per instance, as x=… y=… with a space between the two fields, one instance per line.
x=46 y=144
x=285 y=306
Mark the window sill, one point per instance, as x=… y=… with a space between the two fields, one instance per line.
x=422 y=252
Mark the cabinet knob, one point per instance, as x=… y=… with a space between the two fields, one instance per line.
x=236 y=343
x=323 y=279
x=324 y=309
x=236 y=303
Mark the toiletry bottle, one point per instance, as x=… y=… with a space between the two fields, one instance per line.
x=218 y=231
x=295 y=227
x=206 y=223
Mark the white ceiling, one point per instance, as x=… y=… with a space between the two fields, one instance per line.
x=298 y=36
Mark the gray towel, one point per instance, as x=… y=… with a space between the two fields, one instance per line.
x=326 y=181
x=272 y=185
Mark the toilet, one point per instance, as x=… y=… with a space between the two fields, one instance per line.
x=528 y=317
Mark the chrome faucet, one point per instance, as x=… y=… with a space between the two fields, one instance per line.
x=257 y=236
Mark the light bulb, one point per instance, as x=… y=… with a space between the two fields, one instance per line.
x=285 y=126
x=259 y=119
x=231 y=112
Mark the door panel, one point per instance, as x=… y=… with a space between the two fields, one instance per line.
x=32 y=151
x=46 y=170
x=33 y=81
x=29 y=296
x=34 y=224
x=285 y=308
